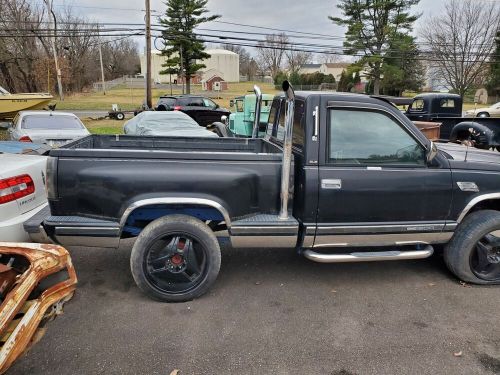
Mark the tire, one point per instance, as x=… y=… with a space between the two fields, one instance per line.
x=161 y=278
x=462 y=252
x=161 y=108
x=120 y=116
x=483 y=114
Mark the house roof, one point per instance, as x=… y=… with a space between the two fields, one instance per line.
x=310 y=66
x=336 y=65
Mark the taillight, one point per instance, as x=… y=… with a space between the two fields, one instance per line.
x=16 y=187
x=177 y=108
x=25 y=139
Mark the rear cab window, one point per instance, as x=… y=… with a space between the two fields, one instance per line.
x=298 y=136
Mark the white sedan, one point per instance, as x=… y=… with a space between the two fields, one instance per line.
x=22 y=193
x=47 y=127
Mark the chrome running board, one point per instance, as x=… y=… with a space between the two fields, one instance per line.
x=369 y=256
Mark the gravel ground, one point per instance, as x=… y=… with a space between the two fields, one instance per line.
x=273 y=312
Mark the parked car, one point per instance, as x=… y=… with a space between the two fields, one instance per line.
x=167 y=124
x=203 y=110
x=52 y=128
x=493 y=111
x=16 y=147
x=339 y=177
x=22 y=193
x=446 y=109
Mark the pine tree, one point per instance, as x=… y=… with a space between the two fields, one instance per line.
x=494 y=76
x=181 y=18
x=402 y=69
x=370 y=23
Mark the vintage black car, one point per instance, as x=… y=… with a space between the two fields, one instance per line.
x=483 y=132
x=203 y=110
x=313 y=184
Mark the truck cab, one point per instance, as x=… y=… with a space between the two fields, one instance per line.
x=426 y=107
x=241 y=121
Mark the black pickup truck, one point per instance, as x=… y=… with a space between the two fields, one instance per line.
x=482 y=131
x=313 y=184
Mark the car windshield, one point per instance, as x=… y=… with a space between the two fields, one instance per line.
x=51 y=122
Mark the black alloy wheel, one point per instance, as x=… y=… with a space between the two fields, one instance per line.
x=485 y=258
x=175 y=263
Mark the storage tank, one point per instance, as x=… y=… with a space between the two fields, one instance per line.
x=224 y=61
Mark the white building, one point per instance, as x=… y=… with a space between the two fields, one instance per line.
x=223 y=61
x=335 y=69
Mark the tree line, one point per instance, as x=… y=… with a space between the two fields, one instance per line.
x=26 y=56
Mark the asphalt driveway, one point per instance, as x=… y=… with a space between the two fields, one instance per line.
x=273 y=312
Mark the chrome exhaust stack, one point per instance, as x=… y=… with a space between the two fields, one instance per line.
x=258 y=106
x=287 y=149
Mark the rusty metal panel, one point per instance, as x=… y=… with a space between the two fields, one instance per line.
x=29 y=296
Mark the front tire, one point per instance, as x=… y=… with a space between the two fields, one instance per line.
x=483 y=114
x=176 y=258
x=473 y=254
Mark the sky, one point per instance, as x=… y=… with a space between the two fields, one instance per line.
x=299 y=15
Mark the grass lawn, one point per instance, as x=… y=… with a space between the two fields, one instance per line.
x=104 y=126
x=132 y=98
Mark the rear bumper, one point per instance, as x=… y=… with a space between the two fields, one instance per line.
x=12 y=230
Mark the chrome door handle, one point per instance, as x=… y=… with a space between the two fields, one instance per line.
x=331 y=184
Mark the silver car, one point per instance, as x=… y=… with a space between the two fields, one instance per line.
x=165 y=124
x=47 y=127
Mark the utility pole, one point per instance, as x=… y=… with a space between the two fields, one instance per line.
x=149 y=99
x=100 y=59
x=54 y=50
x=182 y=69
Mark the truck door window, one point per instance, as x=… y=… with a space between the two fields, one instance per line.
x=417 y=105
x=239 y=106
x=371 y=138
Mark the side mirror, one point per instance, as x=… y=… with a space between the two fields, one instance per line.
x=231 y=103
x=5 y=125
x=431 y=153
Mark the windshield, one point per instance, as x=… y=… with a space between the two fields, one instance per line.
x=51 y=122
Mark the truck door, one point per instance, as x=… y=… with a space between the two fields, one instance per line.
x=375 y=184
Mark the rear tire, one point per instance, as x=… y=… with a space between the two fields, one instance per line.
x=169 y=272
x=120 y=116
x=465 y=255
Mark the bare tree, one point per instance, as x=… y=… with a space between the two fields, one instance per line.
x=461 y=42
x=295 y=59
x=271 y=52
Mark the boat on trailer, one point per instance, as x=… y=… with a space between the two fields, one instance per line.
x=11 y=104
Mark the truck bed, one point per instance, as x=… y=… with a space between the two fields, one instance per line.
x=170 y=147
x=101 y=176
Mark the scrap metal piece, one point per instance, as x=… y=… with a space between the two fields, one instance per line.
x=36 y=280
